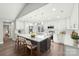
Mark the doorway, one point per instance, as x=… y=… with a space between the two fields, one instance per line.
x=6 y=31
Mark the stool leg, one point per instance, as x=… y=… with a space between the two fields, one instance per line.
x=31 y=51
x=25 y=49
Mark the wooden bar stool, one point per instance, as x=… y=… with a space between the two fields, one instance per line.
x=30 y=46
x=20 y=44
x=17 y=43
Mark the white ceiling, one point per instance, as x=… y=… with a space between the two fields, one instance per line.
x=35 y=12
x=9 y=11
x=29 y=8
x=48 y=12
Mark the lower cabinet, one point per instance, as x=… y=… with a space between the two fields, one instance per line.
x=45 y=45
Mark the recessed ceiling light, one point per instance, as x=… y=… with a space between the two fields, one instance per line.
x=35 y=23
x=62 y=11
x=42 y=13
x=42 y=23
x=58 y=16
x=30 y=17
x=35 y=15
x=54 y=9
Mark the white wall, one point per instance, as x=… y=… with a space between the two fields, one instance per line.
x=1 y=31
x=59 y=24
x=12 y=26
x=24 y=26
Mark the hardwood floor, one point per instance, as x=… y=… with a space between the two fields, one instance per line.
x=8 y=49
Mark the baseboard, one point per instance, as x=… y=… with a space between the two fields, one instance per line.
x=1 y=42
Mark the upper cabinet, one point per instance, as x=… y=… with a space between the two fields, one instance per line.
x=72 y=21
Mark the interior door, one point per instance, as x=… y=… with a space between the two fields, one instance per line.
x=6 y=30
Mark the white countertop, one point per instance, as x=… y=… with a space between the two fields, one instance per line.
x=65 y=39
x=38 y=38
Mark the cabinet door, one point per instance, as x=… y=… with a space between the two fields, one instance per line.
x=48 y=43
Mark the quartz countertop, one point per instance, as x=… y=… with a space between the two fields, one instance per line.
x=65 y=39
x=37 y=38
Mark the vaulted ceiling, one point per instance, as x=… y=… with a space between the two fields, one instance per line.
x=51 y=11
x=11 y=11
x=35 y=11
x=30 y=8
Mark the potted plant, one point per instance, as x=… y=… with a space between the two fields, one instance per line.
x=63 y=32
x=33 y=34
x=75 y=37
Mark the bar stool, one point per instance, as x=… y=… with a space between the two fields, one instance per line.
x=30 y=46
x=23 y=44
x=17 y=43
x=20 y=44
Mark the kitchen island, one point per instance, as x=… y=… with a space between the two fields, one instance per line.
x=43 y=41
